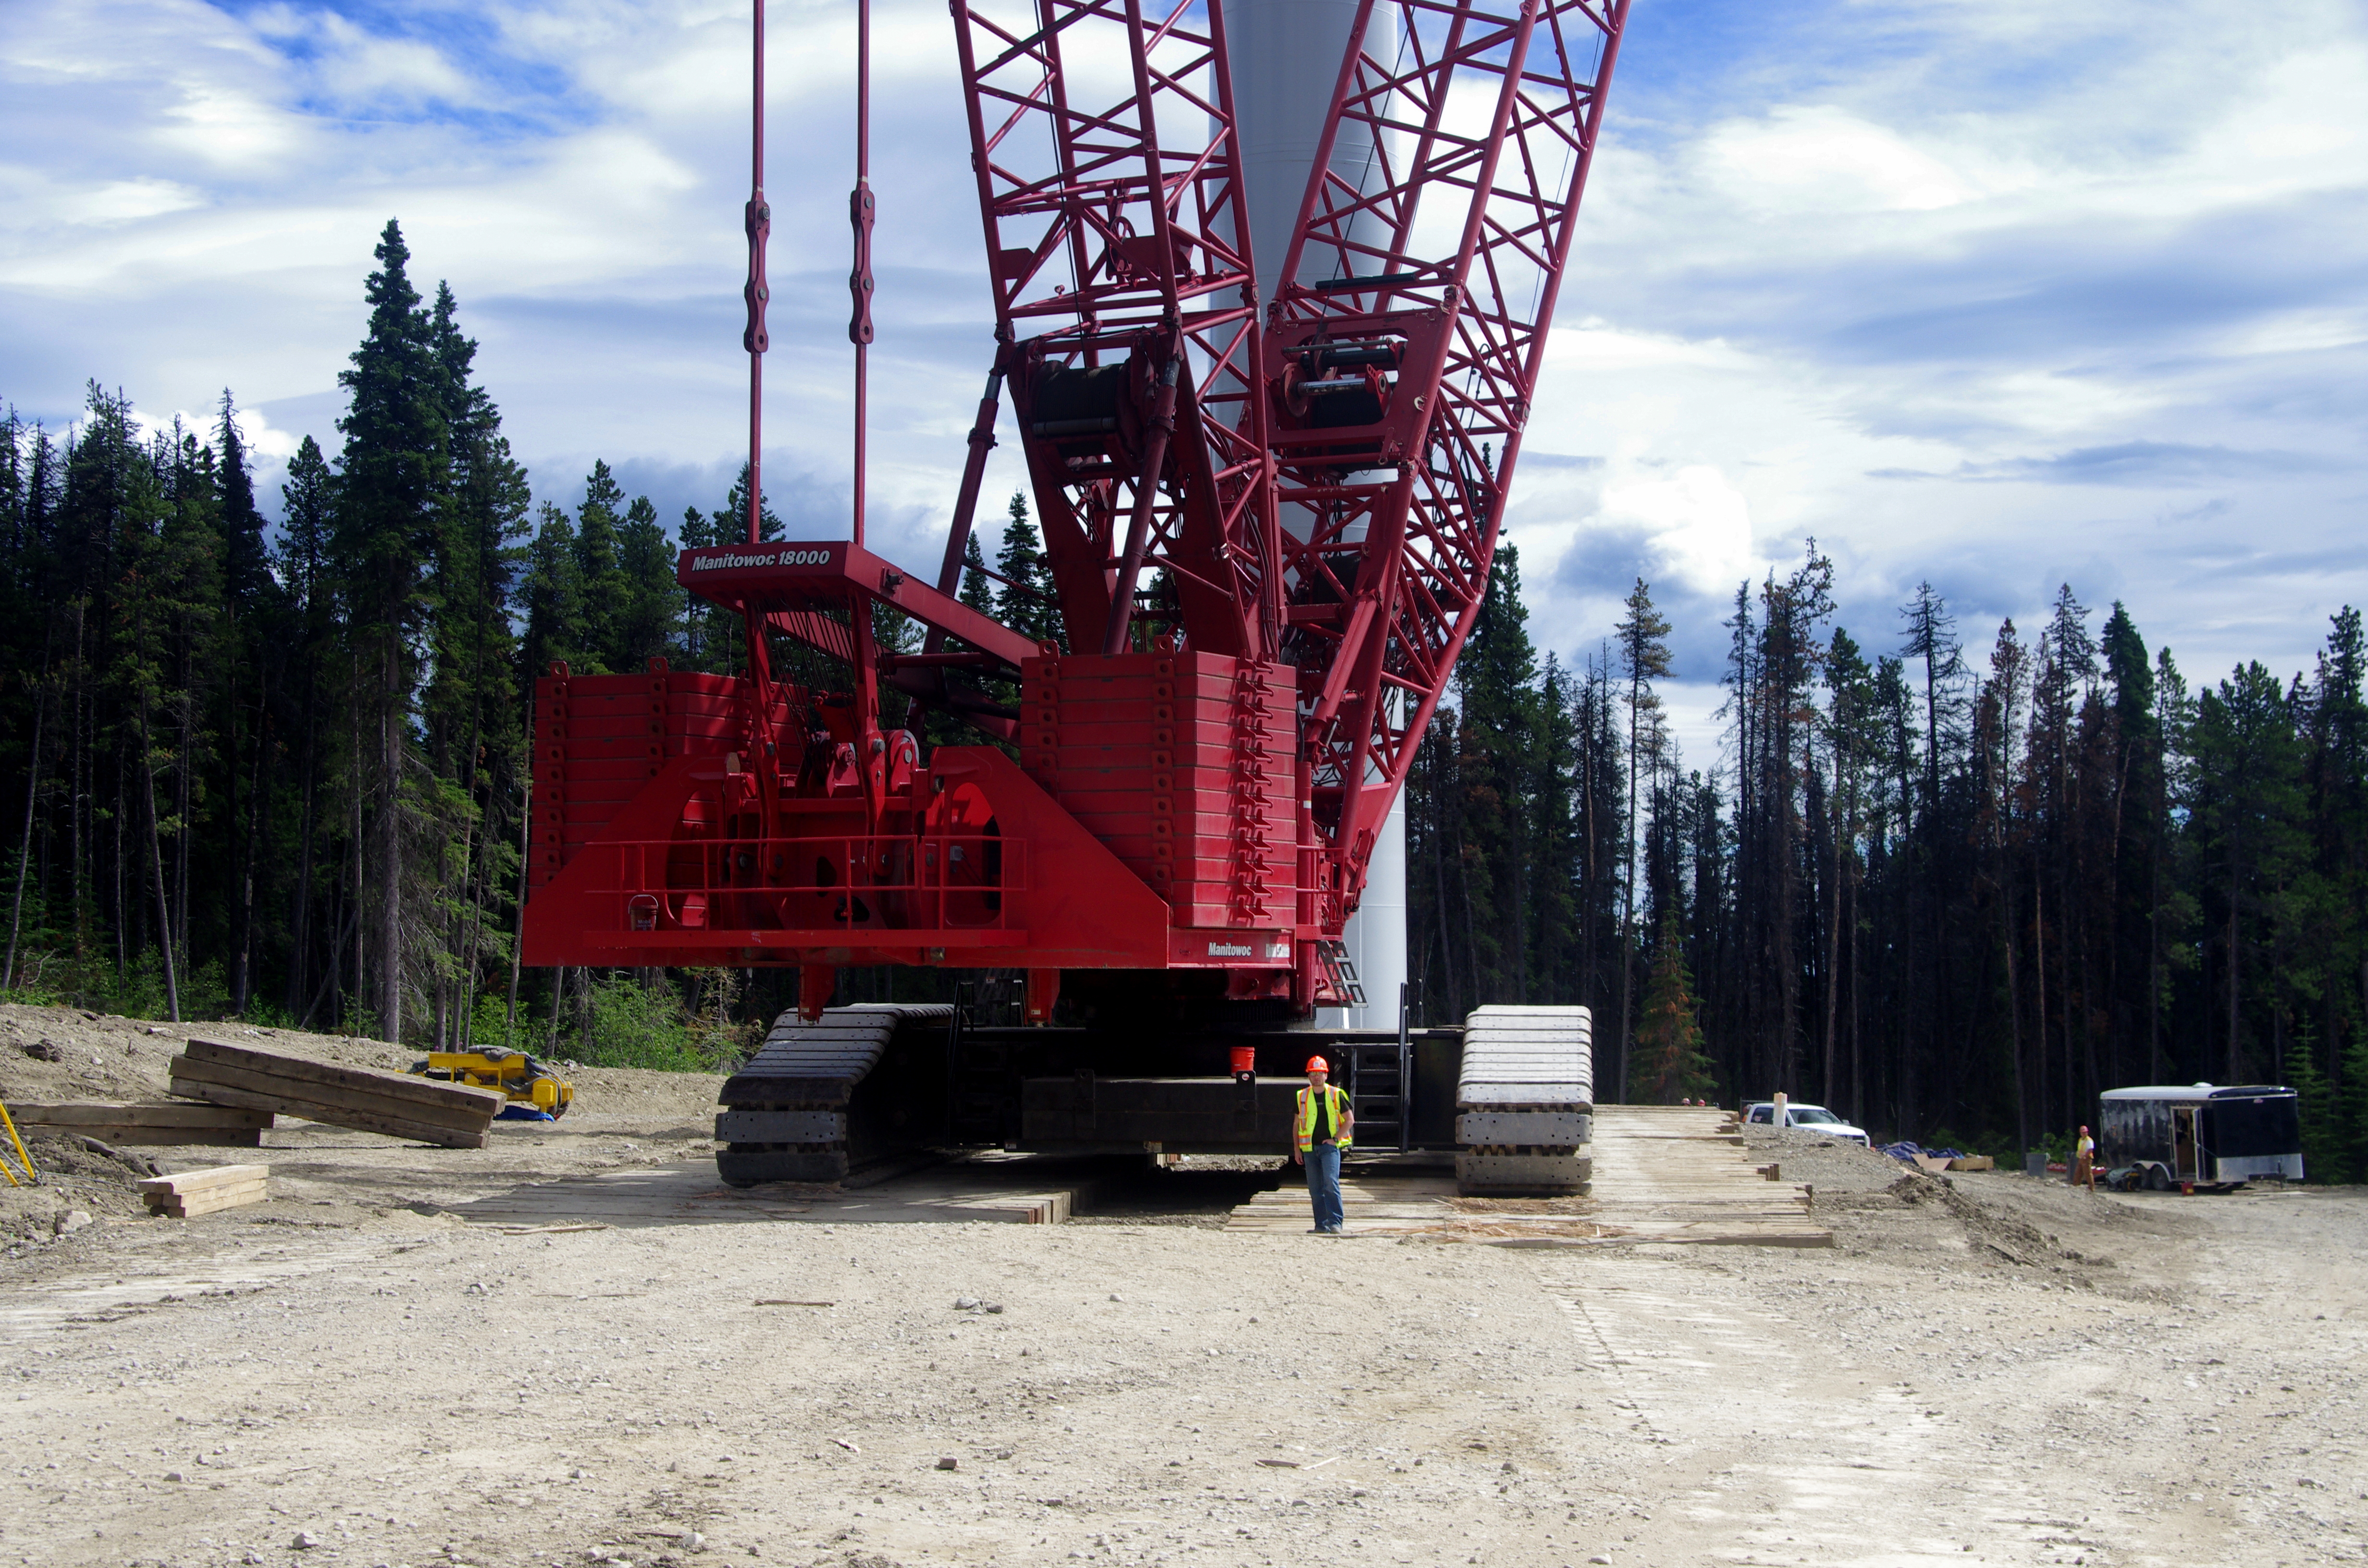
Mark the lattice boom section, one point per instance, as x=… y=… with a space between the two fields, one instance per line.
x=1108 y=211
x=1184 y=765
x=1408 y=372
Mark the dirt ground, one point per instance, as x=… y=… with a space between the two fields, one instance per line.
x=1988 y=1370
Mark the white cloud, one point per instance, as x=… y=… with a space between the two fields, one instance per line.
x=35 y=200
x=1883 y=238
x=1827 y=160
x=1699 y=525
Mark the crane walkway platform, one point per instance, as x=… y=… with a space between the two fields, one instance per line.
x=1668 y=1173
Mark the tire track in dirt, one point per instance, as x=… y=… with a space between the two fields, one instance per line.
x=1794 y=1459
x=54 y=1303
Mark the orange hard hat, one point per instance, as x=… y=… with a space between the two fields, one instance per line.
x=1317 y=1064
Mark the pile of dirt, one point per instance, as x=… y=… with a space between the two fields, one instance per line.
x=76 y=1176
x=1828 y=1164
x=2001 y=1222
x=1989 y=1226
x=53 y=1054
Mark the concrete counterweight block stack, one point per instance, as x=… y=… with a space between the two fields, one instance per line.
x=1525 y=1104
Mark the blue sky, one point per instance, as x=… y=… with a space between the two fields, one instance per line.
x=2000 y=296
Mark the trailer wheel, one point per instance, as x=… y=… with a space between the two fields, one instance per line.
x=2157 y=1179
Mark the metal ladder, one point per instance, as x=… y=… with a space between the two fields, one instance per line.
x=1341 y=971
x=1380 y=1079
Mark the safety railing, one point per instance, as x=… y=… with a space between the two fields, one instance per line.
x=848 y=883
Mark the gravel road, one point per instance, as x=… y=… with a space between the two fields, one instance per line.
x=1993 y=1370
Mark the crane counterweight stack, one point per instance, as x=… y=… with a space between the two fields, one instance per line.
x=1270 y=516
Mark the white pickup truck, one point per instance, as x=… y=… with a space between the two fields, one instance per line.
x=1806 y=1119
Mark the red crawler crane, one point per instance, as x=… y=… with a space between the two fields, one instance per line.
x=1270 y=538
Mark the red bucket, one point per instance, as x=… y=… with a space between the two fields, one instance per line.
x=1244 y=1064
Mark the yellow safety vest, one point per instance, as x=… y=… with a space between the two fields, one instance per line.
x=1304 y=1131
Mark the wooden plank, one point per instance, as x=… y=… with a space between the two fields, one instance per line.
x=361 y=1121
x=296 y=1091
x=161 y=1113
x=369 y=1080
x=316 y=1092
x=184 y=1182
x=210 y=1201
x=210 y=1198
x=165 y=1137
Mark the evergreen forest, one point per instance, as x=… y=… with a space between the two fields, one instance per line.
x=1949 y=881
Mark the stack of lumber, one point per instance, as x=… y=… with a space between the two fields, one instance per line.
x=166 y=1121
x=193 y=1193
x=360 y=1098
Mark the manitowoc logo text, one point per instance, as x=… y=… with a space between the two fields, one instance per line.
x=763 y=558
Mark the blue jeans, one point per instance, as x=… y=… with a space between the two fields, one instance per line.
x=1324 y=1185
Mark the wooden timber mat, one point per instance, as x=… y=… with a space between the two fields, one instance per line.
x=1663 y=1174
x=985 y=1188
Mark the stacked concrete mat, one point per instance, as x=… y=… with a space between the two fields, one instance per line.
x=820 y=1100
x=1525 y=1103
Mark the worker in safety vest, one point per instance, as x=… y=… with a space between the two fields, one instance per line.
x=2083 y=1162
x=1319 y=1136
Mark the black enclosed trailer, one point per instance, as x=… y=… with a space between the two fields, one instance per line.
x=2200 y=1134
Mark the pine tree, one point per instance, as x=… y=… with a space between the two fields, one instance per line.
x=2247 y=808
x=254 y=657
x=1853 y=748
x=713 y=637
x=645 y=559
x=1555 y=846
x=2321 y=1114
x=977 y=589
x=246 y=566
x=1496 y=679
x=1028 y=602
x=599 y=573
x=146 y=548
x=304 y=562
x=1643 y=636
x=2352 y=1125
x=1669 y=1063
x=557 y=630
x=470 y=708
x=2140 y=821
x=390 y=513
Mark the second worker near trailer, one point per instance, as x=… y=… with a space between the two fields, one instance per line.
x=1319 y=1137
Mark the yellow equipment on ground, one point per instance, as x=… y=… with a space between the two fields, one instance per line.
x=528 y=1082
